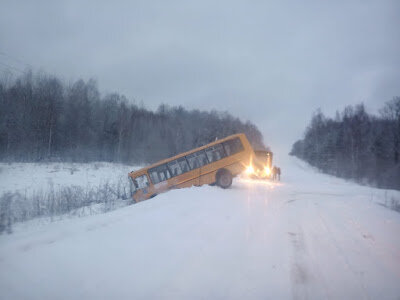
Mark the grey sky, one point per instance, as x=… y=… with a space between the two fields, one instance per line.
x=273 y=63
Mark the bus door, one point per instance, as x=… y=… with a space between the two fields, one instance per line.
x=194 y=168
x=196 y=161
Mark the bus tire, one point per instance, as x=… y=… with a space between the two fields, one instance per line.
x=224 y=178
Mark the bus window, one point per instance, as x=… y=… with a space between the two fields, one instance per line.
x=202 y=158
x=183 y=164
x=233 y=146
x=197 y=160
x=175 y=168
x=192 y=160
x=159 y=173
x=154 y=176
x=139 y=183
x=215 y=153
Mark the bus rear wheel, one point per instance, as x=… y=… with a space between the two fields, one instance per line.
x=224 y=179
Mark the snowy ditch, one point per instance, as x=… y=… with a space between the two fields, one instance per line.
x=55 y=190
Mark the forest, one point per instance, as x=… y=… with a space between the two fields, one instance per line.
x=44 y=119
x=355 y=144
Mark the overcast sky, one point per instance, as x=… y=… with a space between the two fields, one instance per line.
x=270 y=62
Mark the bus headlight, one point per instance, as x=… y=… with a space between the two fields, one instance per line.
x=249 y=170
x=267 y=171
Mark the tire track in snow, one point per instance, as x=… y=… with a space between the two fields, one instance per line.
x=299 y=273
x=343 y=257
x=307 y=280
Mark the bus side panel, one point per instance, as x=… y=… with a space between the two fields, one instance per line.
x=208 y=178
x=196 y=174
x=235 y=168
x=188 y=183
x=140 y=195
x=146 y=193
x=159 y=188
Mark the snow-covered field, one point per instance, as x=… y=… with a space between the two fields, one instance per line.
x=41 y=193
x=312 y=236
x=26 y=177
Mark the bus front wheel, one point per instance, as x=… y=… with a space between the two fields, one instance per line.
x=224 y=178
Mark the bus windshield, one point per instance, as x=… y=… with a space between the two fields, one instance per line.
x=139 y=183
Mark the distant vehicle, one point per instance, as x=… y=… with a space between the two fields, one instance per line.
x=214 y=163
x=263 y=164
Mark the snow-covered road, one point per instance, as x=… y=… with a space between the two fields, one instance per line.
x=311 y=236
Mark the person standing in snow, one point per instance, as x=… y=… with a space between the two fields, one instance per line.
x=274 y=173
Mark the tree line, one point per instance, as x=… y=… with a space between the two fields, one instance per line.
x=355 y=144
x=42 y=118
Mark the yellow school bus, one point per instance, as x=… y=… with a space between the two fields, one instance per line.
x=214 y=163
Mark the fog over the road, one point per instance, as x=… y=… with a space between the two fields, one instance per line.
x=273 y=63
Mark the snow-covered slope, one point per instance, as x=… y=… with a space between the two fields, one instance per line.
x=28 y=177
x=311 y=236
